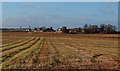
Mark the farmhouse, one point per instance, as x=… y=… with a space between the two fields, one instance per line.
x=59 y=30
x=39 y=29
x=82 y=31
x=75 y=30
x=62 y=30
x=49 y=29
x=44 y=29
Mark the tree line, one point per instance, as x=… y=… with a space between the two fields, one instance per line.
x=103 y=28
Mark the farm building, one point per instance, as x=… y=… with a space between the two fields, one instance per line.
x=44 y=29
x=82 y=31
x=73 y=31
x=39 y=29
x=70 y=31
x=59 y=30
x=49 y=29
x=62 y=30
x=76 y=30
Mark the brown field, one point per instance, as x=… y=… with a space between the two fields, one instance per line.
x=37 y=50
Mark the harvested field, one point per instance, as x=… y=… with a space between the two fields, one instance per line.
x=35 y=50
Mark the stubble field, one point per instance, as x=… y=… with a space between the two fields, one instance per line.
x=23 y=50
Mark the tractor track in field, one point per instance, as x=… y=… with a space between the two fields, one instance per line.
x=92 y=47
x=75 y=55
x=62 y=52
x=58 y=61
x=95 y=59
x=45 y=58
x=42 y=58
x=10 y=53
x=19 y=59
x=9 y=40
x=17 y=45
x=32 y=62
x=17 y=42
x=48 y=55
x=56 y=51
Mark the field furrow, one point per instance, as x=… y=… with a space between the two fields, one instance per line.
x=6 y=55
x=68 y=55
x=88 y=57
x=90 y=46
x=17 y=45
x=18 y=61
x=43 y=50
x=46 y=57
x=57 y=60
x=8 y=40
x=34 y=60
x=15 y=42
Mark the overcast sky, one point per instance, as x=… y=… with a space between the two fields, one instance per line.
x=58 y=14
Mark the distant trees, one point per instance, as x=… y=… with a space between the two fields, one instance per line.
x=64 y=29
x=92 y=29
x=80 y=28
x=85 y=26
x=102 y=28
x=110 y=29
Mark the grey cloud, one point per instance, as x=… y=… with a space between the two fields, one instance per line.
x=84 y=17
x=110 y=11
x=44 y=19
x=30 y=6
x=23 y=20
x=22 y=12
x=58 y=8
x=107 y=4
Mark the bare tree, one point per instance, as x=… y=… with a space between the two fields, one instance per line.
x=85 y=26
x=102 y=28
